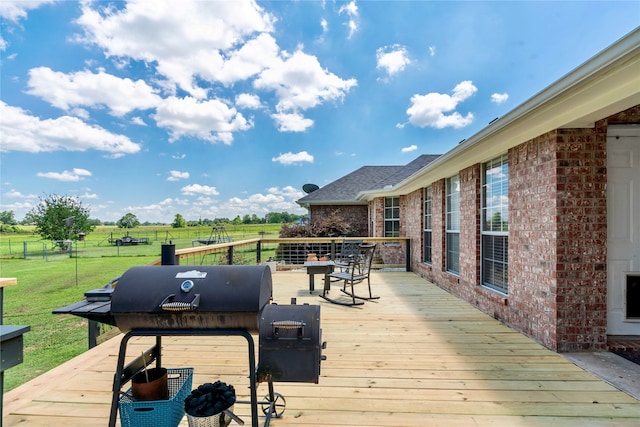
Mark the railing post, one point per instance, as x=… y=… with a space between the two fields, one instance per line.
x=230 y=255
x=168 y=254
x=258 y=252
x=333 y=250
x=408 y=254
x=94 y=333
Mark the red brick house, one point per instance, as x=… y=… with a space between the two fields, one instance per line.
x=536 y=218
x=341 y=196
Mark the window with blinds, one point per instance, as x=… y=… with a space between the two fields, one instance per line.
x=426 y=239
x=495 y=224
x=392 y=217
x=453 y=225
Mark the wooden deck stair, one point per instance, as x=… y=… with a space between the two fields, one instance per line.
x=416 y=357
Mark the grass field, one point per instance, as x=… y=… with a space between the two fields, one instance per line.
x=96 y=244
x=56 y=280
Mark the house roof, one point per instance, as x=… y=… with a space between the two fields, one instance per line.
x=345 y=190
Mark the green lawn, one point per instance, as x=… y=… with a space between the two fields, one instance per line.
x=42 y=287
x=56 y=280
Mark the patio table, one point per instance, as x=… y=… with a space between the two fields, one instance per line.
x=319 y=267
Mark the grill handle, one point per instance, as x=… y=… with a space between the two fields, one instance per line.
x=168 y=304
x=288 y=324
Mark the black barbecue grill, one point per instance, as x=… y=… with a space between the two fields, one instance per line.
x=173 y=300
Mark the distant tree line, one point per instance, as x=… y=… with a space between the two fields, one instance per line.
x=70 y=205
x=269 y=218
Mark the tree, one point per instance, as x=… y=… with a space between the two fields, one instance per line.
x=128 y=221
x=179 y=222
x=60 y=218
x=8 y=218
x=331 y=225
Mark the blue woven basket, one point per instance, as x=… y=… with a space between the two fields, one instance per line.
x=158 y=413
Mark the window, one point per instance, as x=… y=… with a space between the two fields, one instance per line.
x=427 y=226
x=495 y=224
x=453 y=224
x=392 y=217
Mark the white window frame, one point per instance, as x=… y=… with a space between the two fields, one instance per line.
x=452 y=244
x=392 y=216
x=494 y=230
x=427 y=235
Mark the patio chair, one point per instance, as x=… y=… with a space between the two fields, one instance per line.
x=357 y=272
x=348 y=250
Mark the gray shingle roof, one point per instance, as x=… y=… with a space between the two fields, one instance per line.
x=345 y=190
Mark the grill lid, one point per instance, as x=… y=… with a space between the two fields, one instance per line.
x=174 y=296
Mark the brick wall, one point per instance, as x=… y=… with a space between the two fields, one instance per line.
x=376 y=208
x=582 y=240
x=391 y=253
x=470 y=228
x=533 y=233
x=411 y=221
x=436 y=271
x=557 y=239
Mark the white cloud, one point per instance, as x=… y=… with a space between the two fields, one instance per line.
x=325 y=25
x=293 y=158
x=248 y=101
x=177 y=175
x=16 y=10
x=13 y=194
x=248 y=61
x=292 y=122
x=87 y=89
x=74 y=175
x=157 y=32
x=157 y=212
x=351 y=10
x=89 y=196
x=138 y=121
x=23 y=132
x=432 y=50
x=409 y=148
x=228 y=43
x=210 y=120
x=191 y=190
x=300 y=83
x=288 y=191
x=276 y=200
x=499 y=98
x=429 y=110
x=392 y=59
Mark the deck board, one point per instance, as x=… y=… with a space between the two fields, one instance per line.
x=418 y=356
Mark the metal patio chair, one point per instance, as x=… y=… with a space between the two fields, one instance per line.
x=343 y=259
x=356 y=272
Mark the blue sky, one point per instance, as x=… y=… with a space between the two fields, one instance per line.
x=224 y=108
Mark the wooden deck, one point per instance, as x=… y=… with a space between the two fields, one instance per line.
x=417 y=357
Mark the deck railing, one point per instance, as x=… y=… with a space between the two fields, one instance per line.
x=291 y=253
x=392 y=253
